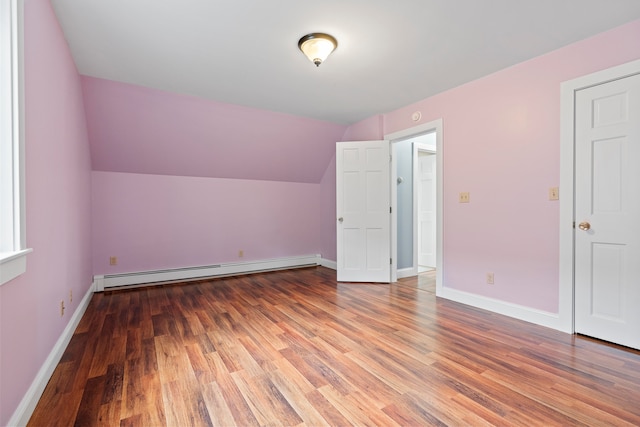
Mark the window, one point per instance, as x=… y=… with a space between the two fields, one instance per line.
x=12 y=228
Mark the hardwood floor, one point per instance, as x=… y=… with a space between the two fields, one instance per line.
x=297 y=348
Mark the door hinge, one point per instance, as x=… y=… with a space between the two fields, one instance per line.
x=574 y=224
x=390 y=209
x=391 y=261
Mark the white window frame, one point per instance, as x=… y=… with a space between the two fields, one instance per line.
x=13 y=249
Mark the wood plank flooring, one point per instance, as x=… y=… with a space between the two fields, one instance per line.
x=297 y=348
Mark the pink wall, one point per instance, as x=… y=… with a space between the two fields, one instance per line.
x=140 y=130
x=502 y=144
x=186 y=181
x=328 y=212
x=58 y=209
x=153 y=222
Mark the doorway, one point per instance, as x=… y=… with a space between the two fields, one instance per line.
x=434 y=129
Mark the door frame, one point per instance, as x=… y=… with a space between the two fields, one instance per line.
x=433 y=126
x=419 y=147
x=566 y=301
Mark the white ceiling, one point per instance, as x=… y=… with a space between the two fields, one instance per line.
x=390 y=53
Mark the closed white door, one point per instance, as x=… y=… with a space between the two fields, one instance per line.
x=607 y=209
x=363 y=211
x=426 y=209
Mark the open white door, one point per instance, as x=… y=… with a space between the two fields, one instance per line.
x=426 y=208
x=607 y=210
x=363 y=211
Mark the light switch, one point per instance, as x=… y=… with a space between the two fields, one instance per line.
x=554 y=193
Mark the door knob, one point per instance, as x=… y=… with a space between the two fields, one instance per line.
x=340 y=219
x=584 y=226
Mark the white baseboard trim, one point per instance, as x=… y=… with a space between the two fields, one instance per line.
x=407 y=272
x=146 y=278
x=329 y=264
x=531 y=315
x=28 y=403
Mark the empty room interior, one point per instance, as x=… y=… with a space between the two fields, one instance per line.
x=419 y=212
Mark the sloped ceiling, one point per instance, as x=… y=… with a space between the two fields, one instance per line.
x=245 y=53
x=140 y=130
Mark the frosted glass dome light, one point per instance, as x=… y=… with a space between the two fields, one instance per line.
x=317 y=46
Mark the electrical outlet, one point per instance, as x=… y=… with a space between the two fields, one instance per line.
x=70 y=296
x=554 y=193
x=489 y=278
x=113 y=260
x=61 y=308
x=464 y=197
x=240 y=253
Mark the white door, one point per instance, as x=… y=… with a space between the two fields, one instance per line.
x=607 y=210
x=363 y=211
x=426 y=209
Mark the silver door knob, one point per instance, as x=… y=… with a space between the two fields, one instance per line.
x=584 y=226
x=340 y=219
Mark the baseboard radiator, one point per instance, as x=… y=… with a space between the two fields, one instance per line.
x=161 y=277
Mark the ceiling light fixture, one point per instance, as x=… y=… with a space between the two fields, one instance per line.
x=317 y=46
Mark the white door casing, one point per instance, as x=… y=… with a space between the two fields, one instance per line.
x=363 y=211
x=426 y=209
x=607 y=211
